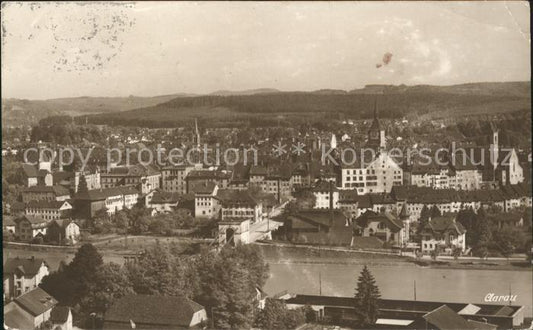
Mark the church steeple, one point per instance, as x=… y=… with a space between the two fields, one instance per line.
x=376 y=134
x=196 y=136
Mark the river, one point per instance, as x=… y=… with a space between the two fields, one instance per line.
x=395 y=279
x=397 y=282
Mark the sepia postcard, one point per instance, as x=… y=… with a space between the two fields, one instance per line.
x=303 y=165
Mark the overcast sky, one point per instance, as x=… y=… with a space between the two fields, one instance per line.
x=145 y=49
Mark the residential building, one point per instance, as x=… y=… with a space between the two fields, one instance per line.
x=145 y=178
x=61 y=318
x=22 y=275
x=47 y=193
x=154 y=312
x=443 y=232
x=275 y=181
x=326 y=195
x=48 y=210
x=173 y=178
x=29 y=311
x=206 y=205
x=510 y=219
x=322 y=227
x=87 y=203
x=197 y=178
x=34 y=177
x=71 y=180
x=29 y=227
x=377 y=176
x=239 y=204
x=39 y=174
x=164 y=201
x=63 y=231
x=383 y=225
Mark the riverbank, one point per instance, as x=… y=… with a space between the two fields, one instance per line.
x=300 y=254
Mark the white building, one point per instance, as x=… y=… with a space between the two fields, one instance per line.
x=443 y=232
x=22 y=275
x=380 y=175
x=206 y=204
x=326 y=196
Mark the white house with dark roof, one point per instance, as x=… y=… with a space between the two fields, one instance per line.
x=206 y=205
x=163 y=201
x=35 y=175
x=29 y=311
x=29 y=226
x=326 y=195
x=383 y=225
x=22 y=275
x=444 y=232
x=63 y=231
x=239 y=204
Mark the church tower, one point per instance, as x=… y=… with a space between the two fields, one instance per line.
x=196 y=136
x=494 y=146
x=376 y=133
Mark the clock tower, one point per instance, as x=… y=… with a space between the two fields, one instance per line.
x=376 y=133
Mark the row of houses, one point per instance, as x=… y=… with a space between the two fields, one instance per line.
x=413 y=199
x=28 y=227
x=466 y=168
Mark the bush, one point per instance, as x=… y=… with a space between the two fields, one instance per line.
x=37 y=240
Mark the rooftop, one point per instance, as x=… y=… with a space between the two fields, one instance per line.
x=26 y=266
x=154 y=310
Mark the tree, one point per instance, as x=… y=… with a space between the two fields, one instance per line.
x=121 y=221
x=234 y=309
x=367 y=298
x=275 y=315
x=435 y=212
x=506 y=240
x=423 y=219
x=72 y=282
x=83 y=269
x=228 y=282
x=82 y=184
x=271 y=317
x=251 y=258
x=467 y=217
x=528 y=249
x=304 y=200
x=158 y=271
x=435 y=253
x=481 y=234
x=110 y=283
x=61 y=286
